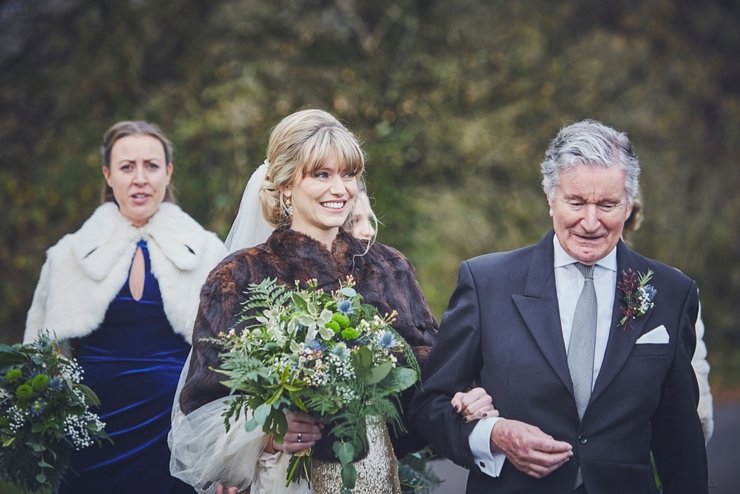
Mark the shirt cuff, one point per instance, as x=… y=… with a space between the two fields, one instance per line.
x=479 y=440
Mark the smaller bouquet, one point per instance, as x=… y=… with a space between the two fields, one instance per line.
x=329 y=355
x=44 y=414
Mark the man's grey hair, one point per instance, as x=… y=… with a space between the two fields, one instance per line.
x=590 y=143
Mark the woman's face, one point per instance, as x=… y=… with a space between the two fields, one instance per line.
x=361 y=226
x=138 y=175
x=322 y=200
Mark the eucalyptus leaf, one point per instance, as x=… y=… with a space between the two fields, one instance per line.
x=403 y=378
x=364 y=357
x=36 y=446
x=348 y=292
x=349 y=475
x=261 y=413
x=251 y=425
x=345 y=451
x=378 y=373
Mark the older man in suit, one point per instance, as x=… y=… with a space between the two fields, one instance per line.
x=584 y=345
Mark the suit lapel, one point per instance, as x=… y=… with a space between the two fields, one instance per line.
x=538 y=306
x=621 y=339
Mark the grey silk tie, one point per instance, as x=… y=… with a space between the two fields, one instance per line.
x=583 y=340
x=582 y=343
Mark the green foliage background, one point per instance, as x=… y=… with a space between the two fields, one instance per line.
x=455 y=101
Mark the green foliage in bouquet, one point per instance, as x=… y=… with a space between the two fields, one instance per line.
x=330 y=355
x=44 y=414
x=416 y=474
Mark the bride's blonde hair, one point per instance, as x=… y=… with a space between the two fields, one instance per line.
x=299 y=145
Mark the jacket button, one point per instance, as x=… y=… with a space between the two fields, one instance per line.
x=582 y=439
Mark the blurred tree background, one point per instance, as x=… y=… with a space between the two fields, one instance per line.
x=455 y=101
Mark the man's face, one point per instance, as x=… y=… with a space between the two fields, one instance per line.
x=588 y=210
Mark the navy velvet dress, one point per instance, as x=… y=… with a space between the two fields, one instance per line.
x=133 y=362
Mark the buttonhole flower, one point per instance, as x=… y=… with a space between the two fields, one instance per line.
x=637 y=295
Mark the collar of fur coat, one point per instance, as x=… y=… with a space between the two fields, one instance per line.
x=107 y=235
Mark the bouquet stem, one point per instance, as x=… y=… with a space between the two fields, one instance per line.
x=299 y=467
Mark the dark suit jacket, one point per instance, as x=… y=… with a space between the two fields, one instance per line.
x=502 y=330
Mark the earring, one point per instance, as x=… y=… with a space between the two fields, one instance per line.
x=287 y=207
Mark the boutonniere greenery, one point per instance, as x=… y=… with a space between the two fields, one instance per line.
x=638 y=295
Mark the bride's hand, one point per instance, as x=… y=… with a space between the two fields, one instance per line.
x=303 y=432
x=474 y=404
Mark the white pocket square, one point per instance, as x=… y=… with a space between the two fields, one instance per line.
x=657 y=335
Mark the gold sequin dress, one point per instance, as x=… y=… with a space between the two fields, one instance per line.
x=376 y=473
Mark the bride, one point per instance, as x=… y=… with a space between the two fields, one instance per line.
x=305 y=191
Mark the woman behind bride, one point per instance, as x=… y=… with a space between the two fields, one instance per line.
x=308 y=190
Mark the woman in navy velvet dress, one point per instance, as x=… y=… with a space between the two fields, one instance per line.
x=122 y=292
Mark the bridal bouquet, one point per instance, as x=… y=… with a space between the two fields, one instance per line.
x=44 y=414
x=327 y=354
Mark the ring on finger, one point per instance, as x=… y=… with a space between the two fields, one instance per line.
x=299 y=438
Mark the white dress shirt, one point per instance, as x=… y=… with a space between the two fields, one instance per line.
x=568 y=284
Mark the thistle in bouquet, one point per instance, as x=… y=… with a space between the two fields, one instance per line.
x=44 y=414
x=327 y=354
